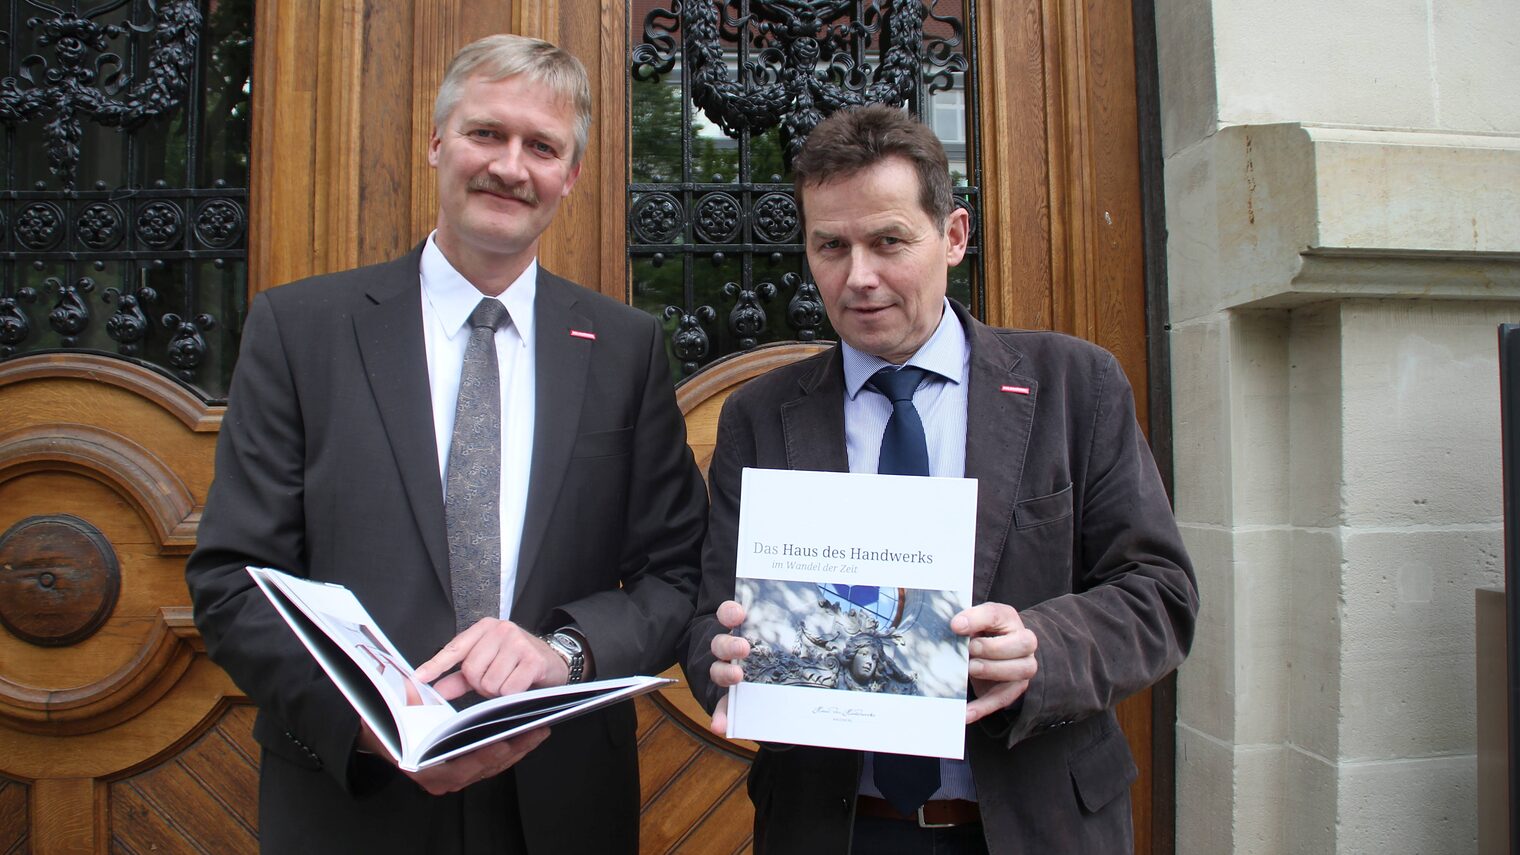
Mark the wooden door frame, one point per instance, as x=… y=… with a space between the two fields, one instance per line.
x=1159 y=386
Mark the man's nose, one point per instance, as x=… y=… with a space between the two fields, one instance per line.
x=862 y=274
x=508 y=165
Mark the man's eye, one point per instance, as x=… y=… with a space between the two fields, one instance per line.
x=543 y=148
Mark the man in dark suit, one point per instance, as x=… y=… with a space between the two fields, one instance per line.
x=492 y=459
x=1083 y=591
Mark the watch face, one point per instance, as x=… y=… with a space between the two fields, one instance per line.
x=568 y=642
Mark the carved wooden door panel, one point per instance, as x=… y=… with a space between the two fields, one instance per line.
x=116 y=733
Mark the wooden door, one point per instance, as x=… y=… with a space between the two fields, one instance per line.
x=116 y=733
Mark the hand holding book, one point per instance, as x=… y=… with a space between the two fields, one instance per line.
x=730 y=651
x=1002 y=656
x=469 y=768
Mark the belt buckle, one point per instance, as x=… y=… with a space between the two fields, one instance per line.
x=922 y=823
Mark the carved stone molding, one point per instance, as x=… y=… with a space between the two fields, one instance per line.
x=59 y=580
x=179 y=401
x=116 y=698
x=141 y=477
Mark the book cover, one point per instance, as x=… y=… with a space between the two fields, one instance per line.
x=849 y=583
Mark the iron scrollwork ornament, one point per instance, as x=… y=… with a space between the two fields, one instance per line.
x=78 y=86
x=187 y=345
x=690 y=341
x=128 y=325
x=71 y=314
x=14 y=326
x=804 y=312
x=805 y=67
x=747 y=318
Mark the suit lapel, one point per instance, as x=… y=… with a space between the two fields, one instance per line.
x=391 y=346
x=562 y=364
x=812 y=424
x=1000 y=408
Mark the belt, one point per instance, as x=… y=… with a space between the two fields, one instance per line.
x=940 y=814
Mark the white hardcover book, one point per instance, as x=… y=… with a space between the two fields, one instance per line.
x=849 y=583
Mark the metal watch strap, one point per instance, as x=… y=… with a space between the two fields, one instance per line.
x=571 y=649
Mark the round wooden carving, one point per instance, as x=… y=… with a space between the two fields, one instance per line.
x=59 y=580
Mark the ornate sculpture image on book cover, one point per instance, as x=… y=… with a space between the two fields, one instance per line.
x=859 y=638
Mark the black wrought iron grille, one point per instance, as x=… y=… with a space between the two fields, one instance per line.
x=123 y=199
x=721 y=92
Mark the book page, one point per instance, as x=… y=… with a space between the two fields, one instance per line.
x=354 y=651
x=508 y=715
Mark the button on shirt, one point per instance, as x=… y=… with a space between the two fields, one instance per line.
x=447 y=301
x=941 y=404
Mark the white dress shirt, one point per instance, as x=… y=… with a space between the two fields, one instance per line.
x=941 y=404
x=447 y=301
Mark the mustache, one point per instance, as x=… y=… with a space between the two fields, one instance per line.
x=492 y=184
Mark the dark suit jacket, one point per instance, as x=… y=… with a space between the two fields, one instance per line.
x=327 y=467
x=1073 y=529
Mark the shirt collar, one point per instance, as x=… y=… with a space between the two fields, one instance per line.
x=453 y=298
x=943 y=354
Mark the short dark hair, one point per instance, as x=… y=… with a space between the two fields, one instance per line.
x=858 y=138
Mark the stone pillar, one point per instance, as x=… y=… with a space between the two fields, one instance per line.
x=1343 y=214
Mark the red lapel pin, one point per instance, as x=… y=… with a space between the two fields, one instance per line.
x=1017 y=390
x=583 y=334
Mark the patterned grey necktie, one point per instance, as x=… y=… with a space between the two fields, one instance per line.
x=472 y=505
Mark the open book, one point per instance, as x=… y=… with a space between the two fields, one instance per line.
x=412 y=720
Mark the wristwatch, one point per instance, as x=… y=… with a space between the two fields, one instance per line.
x=567 y=643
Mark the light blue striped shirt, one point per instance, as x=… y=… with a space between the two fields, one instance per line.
x=941 y=404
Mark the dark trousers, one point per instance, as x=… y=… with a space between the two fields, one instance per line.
x=302 y=810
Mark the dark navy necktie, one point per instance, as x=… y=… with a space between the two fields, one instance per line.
x=472 y=501
x=906 y=781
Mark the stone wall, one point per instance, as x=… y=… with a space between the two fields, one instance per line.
x=1343 y=214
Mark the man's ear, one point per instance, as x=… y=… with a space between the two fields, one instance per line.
x=957 y=235
x=434 y=143
x=575 y=172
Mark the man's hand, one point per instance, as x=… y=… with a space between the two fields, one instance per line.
x=1002 y=656
x=727 y=672
x=495 y=657
x=450 y=776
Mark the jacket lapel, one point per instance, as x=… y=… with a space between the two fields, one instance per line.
x=1000 y=408
x=391 y=346
x=562 y=363
x=812 y=424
